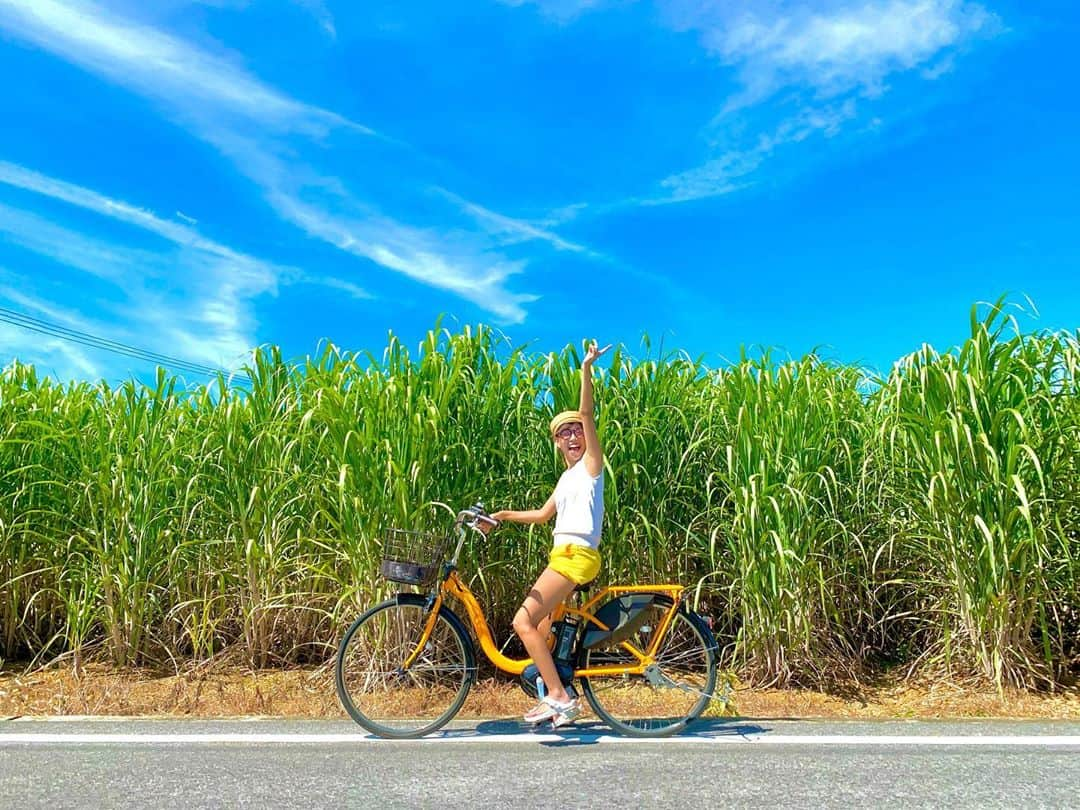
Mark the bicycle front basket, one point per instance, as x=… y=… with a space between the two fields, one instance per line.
x=411 y=558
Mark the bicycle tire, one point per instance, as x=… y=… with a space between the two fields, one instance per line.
x=681 y=687
x=402 y=704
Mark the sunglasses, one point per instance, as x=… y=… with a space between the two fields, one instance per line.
x=570 y=431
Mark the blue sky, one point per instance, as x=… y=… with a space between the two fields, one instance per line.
x=197 y=178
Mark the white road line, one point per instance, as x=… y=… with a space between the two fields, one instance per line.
x=1028 y=741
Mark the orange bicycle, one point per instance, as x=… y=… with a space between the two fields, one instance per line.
x=646 y=663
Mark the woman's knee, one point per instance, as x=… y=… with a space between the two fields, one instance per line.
x=523 y=623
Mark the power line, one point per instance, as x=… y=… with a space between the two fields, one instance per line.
x=87 y=339
x=96 y=342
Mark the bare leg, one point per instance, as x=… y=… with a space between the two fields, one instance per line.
x=544 y=628
x=550 y=589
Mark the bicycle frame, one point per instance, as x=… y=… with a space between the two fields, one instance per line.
x=452 y=585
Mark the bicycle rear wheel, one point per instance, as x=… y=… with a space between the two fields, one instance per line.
x=388 y=699
x=674 y=691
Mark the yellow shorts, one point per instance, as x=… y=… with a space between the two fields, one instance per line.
x=579 y=564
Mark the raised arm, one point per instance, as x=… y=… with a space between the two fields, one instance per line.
x=594 y=452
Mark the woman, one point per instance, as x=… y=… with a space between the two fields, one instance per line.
x=578 y=507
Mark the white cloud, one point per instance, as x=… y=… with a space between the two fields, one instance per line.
x=509 y=231
x=461 y=262
x=563 y=214
x=347 y=287
x=731 y=170
x=105 y=262
x=183 y=235
x=197 y=83
x=193 y=294
x=826 y=61
x=322 y=15
x=195 y=301
x=61 y=359
x=837 y=49
x=427 y=258
x=17 y=176
x=560 y=10
x=256 y=126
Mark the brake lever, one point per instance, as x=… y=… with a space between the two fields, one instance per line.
x=480 y=516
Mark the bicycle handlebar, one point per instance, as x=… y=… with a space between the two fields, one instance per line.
x=474 y=515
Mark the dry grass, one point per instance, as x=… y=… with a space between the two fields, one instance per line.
x=310 y=693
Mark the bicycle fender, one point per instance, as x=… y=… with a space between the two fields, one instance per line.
x=703 y=627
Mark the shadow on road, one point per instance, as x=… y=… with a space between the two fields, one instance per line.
x=589 y=733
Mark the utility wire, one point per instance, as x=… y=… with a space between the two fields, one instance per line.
x=93 y=341
x=87 y=339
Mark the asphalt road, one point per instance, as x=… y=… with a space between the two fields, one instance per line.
x=738 y=763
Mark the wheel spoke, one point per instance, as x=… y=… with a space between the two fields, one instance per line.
x=675 y=689
x=388 y=699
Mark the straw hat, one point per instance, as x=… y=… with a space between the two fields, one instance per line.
x=565 y=417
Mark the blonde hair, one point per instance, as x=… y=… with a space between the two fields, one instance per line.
x=564 y=417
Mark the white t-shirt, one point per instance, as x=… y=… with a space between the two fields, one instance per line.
x=579 y=507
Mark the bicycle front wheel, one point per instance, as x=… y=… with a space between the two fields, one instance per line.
x=675 y=690
x=391 y=699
